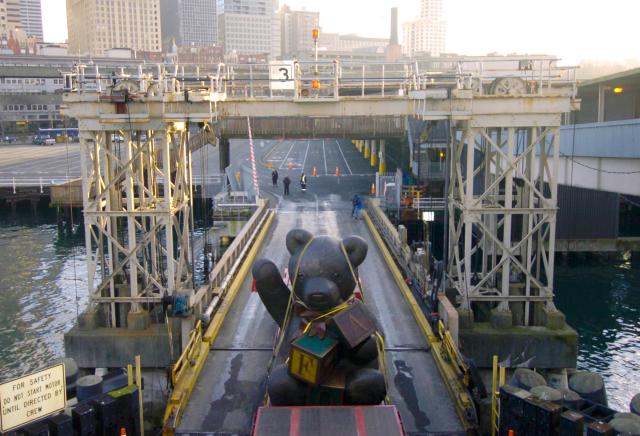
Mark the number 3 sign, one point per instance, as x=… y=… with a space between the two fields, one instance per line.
x=281 y=75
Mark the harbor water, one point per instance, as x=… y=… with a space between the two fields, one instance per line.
x=601 y=299
x=43 y=288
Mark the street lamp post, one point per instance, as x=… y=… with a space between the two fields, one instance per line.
x=315 y=33
x=427 y=217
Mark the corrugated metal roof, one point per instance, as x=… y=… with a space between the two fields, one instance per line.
x=628 y=74
x=29 y=71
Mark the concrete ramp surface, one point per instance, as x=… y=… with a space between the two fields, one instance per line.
x=232 y=384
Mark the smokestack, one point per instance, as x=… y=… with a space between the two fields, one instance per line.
x=394 y=27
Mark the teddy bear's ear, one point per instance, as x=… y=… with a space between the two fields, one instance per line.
x=356 y=249
x=297 y=238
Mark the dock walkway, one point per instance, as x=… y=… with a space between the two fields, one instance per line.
x=232 y=383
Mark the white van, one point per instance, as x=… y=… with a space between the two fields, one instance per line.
x=49 y=141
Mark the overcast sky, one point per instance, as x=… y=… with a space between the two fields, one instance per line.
x=571 y=29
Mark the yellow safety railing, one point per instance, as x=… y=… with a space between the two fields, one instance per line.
x=189 y=354
x=455 y=373
x=187 y=368
x=497 y=382
x=453 y=354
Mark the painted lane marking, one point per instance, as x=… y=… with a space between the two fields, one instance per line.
x=285 y=158
x=273 y=148
x=343 y=158
x=304 y=162
x=326 y=172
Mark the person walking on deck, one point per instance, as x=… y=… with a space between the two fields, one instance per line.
x=274 y=177
x=303 y=182
x=286 y=181
x=357 y=207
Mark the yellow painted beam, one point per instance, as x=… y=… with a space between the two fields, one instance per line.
x=397 y=276
x=459 y=394
x=214 y=326
x=184 y=386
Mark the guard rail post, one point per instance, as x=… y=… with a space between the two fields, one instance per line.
x=498 y=379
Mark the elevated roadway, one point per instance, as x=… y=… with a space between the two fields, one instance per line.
x=232 y=383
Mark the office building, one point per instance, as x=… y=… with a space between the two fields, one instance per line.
x=23 y=16
x=169 y=10
x=188 y=23
x=427 y=34
x=249 y=26
x=296 y=28
x=96 y=26
x=3 y=19
x=198 y=27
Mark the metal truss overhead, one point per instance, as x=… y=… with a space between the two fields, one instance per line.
x=137 y=213
x=502 y=218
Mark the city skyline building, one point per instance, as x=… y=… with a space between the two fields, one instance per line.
x=198 y=23
x=96 y=26
x=3 y=19
x=249 y=26
x=23 y=16
x=427 y=34
x=296 y=29
x=169 y=10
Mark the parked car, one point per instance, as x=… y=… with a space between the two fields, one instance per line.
x=9 y=139
x=49 y=141
x=39 y=140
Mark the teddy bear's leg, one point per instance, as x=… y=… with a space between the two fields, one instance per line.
x=365 y=387
x=273 y=292
x=365 y=352
x=285 y=390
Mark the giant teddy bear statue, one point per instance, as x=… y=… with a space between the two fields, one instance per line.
x=327 y=352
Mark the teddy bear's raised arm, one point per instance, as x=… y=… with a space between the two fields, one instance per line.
x=273 y=292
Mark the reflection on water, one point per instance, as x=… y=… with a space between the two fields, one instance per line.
x=601 y=299
x=43 y=287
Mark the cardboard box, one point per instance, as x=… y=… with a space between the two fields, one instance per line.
x=354 y=324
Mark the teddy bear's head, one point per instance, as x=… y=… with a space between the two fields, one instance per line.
x=324 y=279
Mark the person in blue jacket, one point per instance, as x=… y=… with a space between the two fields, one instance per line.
x=356 y=201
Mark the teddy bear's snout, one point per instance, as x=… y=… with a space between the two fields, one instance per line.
x=320 y=294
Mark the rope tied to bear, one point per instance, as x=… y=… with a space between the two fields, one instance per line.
x=295 y=301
